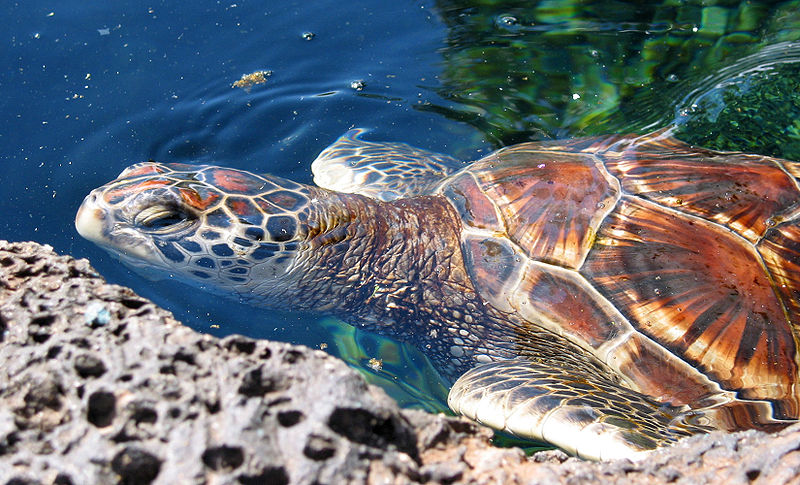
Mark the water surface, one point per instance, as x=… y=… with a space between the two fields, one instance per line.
x=91 y=88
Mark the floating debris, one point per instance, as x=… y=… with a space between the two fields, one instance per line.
x=375 y=364
x=247 y=81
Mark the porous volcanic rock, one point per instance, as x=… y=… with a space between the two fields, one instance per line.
x=99 y=386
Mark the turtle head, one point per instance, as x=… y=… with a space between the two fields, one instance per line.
x=225 y=229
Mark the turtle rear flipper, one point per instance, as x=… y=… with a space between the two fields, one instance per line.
x=583 y=414
x=383 y=171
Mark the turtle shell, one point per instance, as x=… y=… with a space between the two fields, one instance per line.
x=676 y=266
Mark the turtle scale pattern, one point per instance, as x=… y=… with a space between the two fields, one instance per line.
x=217 y=196
x=607 y=295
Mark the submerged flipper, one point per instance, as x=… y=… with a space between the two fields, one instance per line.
x=586 y=415
x=384 y=171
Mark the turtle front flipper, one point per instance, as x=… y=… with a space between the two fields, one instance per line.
x=384 y=171
x=583 y=414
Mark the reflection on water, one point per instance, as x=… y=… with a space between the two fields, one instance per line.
x=520 y=70
x=751 y=106
x=404 y=371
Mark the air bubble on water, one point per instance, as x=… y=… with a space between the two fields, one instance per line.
x=358 y=84
x=309 y=35
x=673 y=78
x=508 y=20
x=688 y=111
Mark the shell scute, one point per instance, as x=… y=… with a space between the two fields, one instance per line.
x=793 y=168
x=493 y=264
x=742 y=192
x=563 y=301
x=700 y=291
x=471 y=203
x=549 y=202
x=780 y=250
x=652 y=370
x=678 y=267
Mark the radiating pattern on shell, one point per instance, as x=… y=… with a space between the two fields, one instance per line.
x=662 y=259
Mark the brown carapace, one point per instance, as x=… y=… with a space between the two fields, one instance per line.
x=609 y=294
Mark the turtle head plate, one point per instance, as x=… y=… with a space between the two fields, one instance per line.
x=226 y=229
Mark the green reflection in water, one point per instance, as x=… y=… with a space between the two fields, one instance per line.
x=404 y=373
x=520 y=70
x=755 y=113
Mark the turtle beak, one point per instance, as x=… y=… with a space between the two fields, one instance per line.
x=90 y=220
x=99 y=225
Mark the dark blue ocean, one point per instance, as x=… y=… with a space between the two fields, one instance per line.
x=89 y=88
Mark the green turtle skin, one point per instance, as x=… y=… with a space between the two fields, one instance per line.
x=607 y=295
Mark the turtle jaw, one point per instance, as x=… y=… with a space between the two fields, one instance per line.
x=95 y=224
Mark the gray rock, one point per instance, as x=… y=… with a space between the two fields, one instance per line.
x=134 y=397
x=98 y=385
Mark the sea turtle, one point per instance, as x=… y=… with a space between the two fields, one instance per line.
x=607 y=295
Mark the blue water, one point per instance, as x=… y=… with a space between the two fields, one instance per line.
x=89 y=88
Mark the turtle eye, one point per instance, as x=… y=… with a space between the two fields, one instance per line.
x=162 y=218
